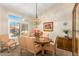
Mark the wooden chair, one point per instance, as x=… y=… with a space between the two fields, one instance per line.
x=22 y=44
x=28 y=44
x=51 y=47
x=7 y=42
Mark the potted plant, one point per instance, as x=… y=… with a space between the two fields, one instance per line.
x=66 y=32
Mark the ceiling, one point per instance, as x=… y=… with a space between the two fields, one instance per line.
x=29 y=9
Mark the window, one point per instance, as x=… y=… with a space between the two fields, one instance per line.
x=13 y=26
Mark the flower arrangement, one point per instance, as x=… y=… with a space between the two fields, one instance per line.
x=37 y=33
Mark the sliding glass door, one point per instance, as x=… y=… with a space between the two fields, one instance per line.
x=14 y=26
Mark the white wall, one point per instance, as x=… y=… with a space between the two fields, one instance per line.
x=3 y=21
x=57 y=18
x=58 y=26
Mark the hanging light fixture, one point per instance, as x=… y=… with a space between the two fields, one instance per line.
x=36 y=20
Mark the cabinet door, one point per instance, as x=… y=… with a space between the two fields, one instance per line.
x=67 y=44
x=60 y=43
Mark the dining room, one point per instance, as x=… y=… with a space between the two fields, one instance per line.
x=37 y=29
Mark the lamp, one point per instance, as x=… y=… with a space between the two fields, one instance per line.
x=36 y=20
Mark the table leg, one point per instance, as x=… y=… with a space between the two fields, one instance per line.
x=1 y=49
x=8 y=49
x=42 y=51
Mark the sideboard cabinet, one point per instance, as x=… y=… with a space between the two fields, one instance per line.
x=65 y=43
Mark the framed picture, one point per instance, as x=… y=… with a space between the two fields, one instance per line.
x=48 y=26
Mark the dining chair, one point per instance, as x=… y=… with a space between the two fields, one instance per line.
x=22 y=44
x=7 y=43
x=51 y=47
x=28 y=44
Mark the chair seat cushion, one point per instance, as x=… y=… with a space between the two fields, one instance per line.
x=9 y=43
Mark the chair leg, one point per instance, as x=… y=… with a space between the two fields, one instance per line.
x=8 y=49
x=55 y=51
x=20 y=51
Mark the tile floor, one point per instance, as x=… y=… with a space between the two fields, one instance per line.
x=16 y=52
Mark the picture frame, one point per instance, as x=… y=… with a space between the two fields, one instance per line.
x=48 y=26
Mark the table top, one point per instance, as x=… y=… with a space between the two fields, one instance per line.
x=43 y=41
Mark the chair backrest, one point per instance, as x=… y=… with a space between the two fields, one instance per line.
x=27 y=43
x=22 y=42
x=4 y=38
x=54 y=43
x=30 y=44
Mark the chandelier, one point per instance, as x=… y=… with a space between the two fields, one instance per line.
x=36 y=20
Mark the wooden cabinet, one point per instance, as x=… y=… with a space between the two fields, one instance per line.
x=60 y=43
x=65 y=43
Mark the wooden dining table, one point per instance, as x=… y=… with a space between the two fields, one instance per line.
x=42 y=42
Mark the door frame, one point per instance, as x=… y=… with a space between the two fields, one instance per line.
x=74 y=29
